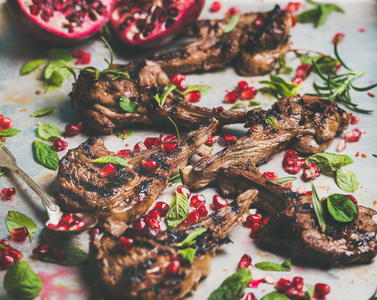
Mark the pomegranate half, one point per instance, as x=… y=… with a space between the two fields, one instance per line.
x=150 y=23
x=62 y=21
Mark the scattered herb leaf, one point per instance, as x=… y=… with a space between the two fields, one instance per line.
x=111 y=159
x=9 y=132
x=271 y=266
x=57 y=66
x=329 y=162
x=175 y=178
x=203 y=89
x=275 y=296
x=43 y=112
x=45 y=156
x=73 y=257
x=233 y=21
x=285 y=180
x=48 y=132
x=271 y=121
x=309 y=291
x=16 y=219
x=127 y=105
x=280 y=87
x=282 y=66
x=190 y=239
x=188 y=253
x=178 y=210
x=325 y=63
x=346 y=180
x=54 y=82
x=245 y=105
x=124 y=134
x=341 y=208
x=31 y=66
x=161 y=100
x=317 y=204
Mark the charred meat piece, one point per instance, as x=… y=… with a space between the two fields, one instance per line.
x=98 y=101
x=253 y=45
x=143 y=271
x=307 y=124
x=293 y=224
x=130 y=192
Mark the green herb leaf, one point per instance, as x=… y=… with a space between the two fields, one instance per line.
x=190 y=239
x=245 y=105
x=188 y=253
x=275 y=296
x=233 y=21
x=326 y=64
x=45 y=156
x=21 y=282
x=271 y=121
x=285 y=180
x=124 y=134
x=329 y=162
x=43 y=112
x=161 y=100
x=48 y=132
x=31 y=66
x=175 y=126
x=54 y=82
x=280 y=87
x=57 y=66
x=341 y=208
x=60 y=54
x=175 y=178
x=73 y=257
x=9 y=132
x=111 y=159
x=271 y=266
x=309 y=291
x=178 y=210
x=232 y=287
x=282 y=66
x=203 y=89
x=16 y=219
x=127 y=105
x=318 y=208
x=346 y=180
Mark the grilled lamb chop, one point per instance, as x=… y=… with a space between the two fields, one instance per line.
x=98 y=101
x=142 y=271
x=130 y=192
x=307 y=124
x=293 y=223
x=252 y=48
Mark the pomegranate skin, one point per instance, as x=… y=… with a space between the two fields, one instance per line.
x=52 y=31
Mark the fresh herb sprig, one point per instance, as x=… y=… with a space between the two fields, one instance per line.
x=280 y=87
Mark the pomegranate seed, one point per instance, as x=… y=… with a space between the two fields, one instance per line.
x=82 y=57
x=289 y=161
x=282 y=285
x=107 y=170
x=72 y=130
x=242 y=85
x=62 y=227
x=244 y=262
x=151 y=222
x=52 y=226
x=151 y=142
x=5 y=250
x=68 y=218
x=321 y=290
x=8 y=193
x=339 y=36
x=354 y=120
x=252 y=219
x=76 y=225
x=292 y=170
x=6 y=261
x=341 y=146
x=352 y=198
x=169 y=138
x=215 y=7
x=173 y=267
x=125 y=244
x=179 y=80
x=298 y=283
x=138 y=224
x=94 y=232
x=353 y=136
x=192 y=208
x=169 y=147
x=6 y=123
x=140 y=146
x=219 y=202
x=125 y=152
x=310 y=172
x=193 y=217
x=220 y=108
x=301 y=190
x=302 y=70
x=270 y=175
x=291 y=153
x=19 y=234
x=184 y=191
x=210 y=141
x=149 y=164
x=193 y=96
x=293 y=6
x=184 y=223
x=258 y=23
x=229 y=139
x=162 y=207
x=370 y=95
x=309 y=193
x=288 y=185
x=301 y=163
x=155 y=214
x=202 y=210
x=197 y=200
x=254 y=230
x=231 y=97
x=231 y=11
x=248 y=94
x=42 y=250
x=4 y=242
x=294 y=21
x=297 y=80
x=250 y=296
x=15 y=254
x=294 y=294
x=59 y=145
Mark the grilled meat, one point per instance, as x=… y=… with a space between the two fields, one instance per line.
x=253 y=49
x=98 y=101
x=141 y=272
x=130 y=192
x=293 y=223
x=307 y=124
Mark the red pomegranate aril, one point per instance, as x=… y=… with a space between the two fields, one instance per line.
x=193 y=96
x=288 y=161
x=169 y=147
x=215 y=7
x=231 y=11
x=162 y=207
x=254 y=230
x=173 y=267
x=298 y=283
x=68 y=218
x=43 y=250
x=301 y=163
x=155 y=214
x=72 y=130
x=339 y=36
x=341 y=146
x=310 y=172
x=76 y=225
x=125 y=244
x=301 y=190
x=179 y=80
x=8 y=193
x=149 y=164
x=58 y=144
x=197 y=200
x=19 y=234
x=242 y=85
x=184 y=223
x=210 y=141
x=258 y=23
x=15 y=254
x=244 y=262
x=202 y=210
x=229 y=139
x=321 y=290
x=169 y=138
x=6 y=261
x=354 y=120
x=62 y=227
x=5 y=250
x=297 y=80
x=219 y=202
x=293 y=6
x=294 y=21
x=255 y=218
x=288 y=185
x=248 y=94
x=52 y=226
x=294 y=294
x=353 y=136
x=4 y=242
x=270 y=175
x=192 y=208
x=140 y=146
x=82 y=57
x=125 y=152
x=140 y=224
x=193 y=217
x=250 y=296
x=231 y=97
x=352 y=198
x=151 y=142
x=291 y=153
x=107 y=170
x=184 y=191
x=282 y=285
x=6 y=123
x=151 y=222
x=301 y=70
x=292 y=170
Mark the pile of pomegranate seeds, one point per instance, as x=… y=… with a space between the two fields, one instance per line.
x=270 y=175
x=49 y=251
x=72 y=130
x=107 y=170
x=68 y=221
x=153 y=218
x=243 y=92
x=254 y=221
x=19 y=234
x=8 y=193
x=59 y=145
x=5 y=123
x=215 y=7
x=244 y=262
x=293 y=165
x=82 y=57
x=294 y=289
x=8 y=255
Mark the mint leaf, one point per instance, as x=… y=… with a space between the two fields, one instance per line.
x=346 y=180
x=31 y=66
x=48 y=132
x=45 y=156
x=329 y=162
x=178 y=210
x=245 y=105
x=233 y=286
x=127 y=105
x=317 y=204
x=161 y=100
x=275 y=296
x=111 y=159
x=21 y=282
x=60 y=54
x=271 y=266
x=188 y=253
x=233 y=21
x=54 y=82
x=280 y=87
x=43 y=112
x=309 y=291
x=9 y=132
x=203 y=89
x=341 y=208
x=190 y=239
x=124 y=134
x=57 y=66
x=16 y=219
x=271 y=121
x=73 y=257
x=325 y=64
x=175 y=178
x=285 y=180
